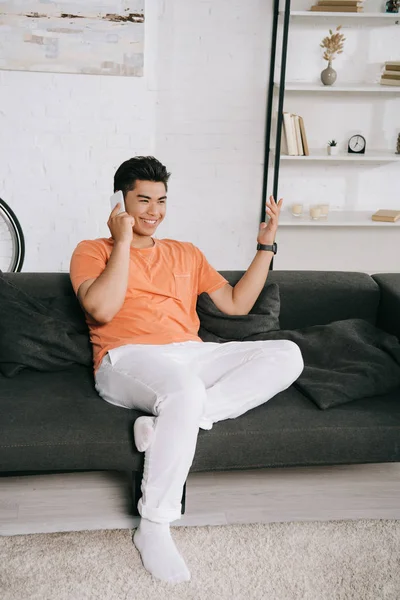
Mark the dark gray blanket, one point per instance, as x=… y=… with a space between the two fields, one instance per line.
x=344 y=361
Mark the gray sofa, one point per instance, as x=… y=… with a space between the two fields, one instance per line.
x=56 y=422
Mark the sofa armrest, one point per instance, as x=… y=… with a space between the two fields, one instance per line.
x=388 y=317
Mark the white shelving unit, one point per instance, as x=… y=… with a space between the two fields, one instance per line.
x=351 y=88
x=385 y=17
x=340 y=218
x=335 y=218
x=371 y=156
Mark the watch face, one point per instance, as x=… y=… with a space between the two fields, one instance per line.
x=357 y=143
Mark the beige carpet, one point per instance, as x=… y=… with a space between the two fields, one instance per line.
x=333 y=560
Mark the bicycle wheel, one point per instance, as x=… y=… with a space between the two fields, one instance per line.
x=12 y=242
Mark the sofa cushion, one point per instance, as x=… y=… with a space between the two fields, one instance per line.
x=37 y=336
x=57 y=422
x=263 y=317
x=289 y=430
x=69 y=309
x=343 y=361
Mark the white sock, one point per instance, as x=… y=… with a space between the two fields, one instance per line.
x=159 y=553
x=143 y=431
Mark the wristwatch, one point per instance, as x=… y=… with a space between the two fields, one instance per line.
x=273 y=248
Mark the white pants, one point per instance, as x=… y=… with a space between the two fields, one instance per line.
x=186 y=386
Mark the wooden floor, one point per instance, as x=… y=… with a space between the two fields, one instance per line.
x=102 y=500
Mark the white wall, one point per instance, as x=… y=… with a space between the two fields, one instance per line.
x=200 y=108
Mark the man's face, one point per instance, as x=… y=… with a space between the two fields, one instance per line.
x=147 y=204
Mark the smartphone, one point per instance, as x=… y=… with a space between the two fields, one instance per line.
x=115 y=198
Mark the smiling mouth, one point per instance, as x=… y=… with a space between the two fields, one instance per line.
x=150 y=222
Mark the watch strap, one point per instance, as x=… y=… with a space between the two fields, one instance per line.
x=273 y=248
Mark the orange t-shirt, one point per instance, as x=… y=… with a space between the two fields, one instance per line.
x=160 y=303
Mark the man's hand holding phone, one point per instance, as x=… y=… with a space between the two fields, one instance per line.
x=120 y=223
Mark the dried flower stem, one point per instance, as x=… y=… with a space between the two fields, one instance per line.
x=333 y=44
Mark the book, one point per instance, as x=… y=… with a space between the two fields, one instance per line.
x=394 y=82
x=392 y=66
x=331 y=8
x=339 y=3
x=339 y=7
x=294 y=142
x=343 y=2
x=284 y=146
x=289 y=133
x=391 y=216
x=392 y=75
x=296 y=145
x=300 y=148
x=304 y=137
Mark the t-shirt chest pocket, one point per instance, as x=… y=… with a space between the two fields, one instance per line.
x=183 y=285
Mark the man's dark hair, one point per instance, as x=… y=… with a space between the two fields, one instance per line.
x=145 y=168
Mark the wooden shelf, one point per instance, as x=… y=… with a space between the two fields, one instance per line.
x=371 y=156
x=353 y=88
x=335 y=218
x=383 y=17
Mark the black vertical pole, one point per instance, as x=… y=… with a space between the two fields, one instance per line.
x=281 y=99
x=269 y=107
x=270 y=98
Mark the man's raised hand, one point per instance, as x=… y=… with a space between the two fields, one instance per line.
x=267 y=231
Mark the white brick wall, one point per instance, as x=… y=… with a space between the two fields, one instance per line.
x=200 y=108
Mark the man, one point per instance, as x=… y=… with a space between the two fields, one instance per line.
x=139 y=295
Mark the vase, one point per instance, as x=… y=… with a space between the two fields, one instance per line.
x=328 y=75
x=333 y=150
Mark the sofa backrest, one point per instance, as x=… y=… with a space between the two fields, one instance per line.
x=321 y=297
x=307 y=297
